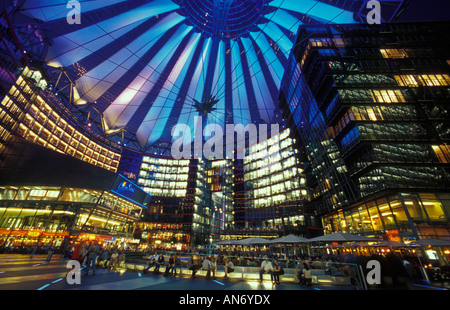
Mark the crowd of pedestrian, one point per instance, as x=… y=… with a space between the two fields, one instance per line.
x=7 y=247
x=92 y=256
x=274 y=264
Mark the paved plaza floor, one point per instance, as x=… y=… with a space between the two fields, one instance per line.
x=22 y=272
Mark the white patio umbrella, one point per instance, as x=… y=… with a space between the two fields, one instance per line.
x=388 y=243
x=252 y=241
x=342 y=237
x=430 y=242
x=289 y=239
x=227 y=242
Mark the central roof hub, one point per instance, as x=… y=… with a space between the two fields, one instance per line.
x=225 y=19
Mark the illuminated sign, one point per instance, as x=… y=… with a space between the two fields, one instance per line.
x=127 y=189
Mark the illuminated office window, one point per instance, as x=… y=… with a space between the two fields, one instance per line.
x=442 y=152
x=406 y=80
x=164 y=177
x=434 y=80
x=321 y=42
x=394 y=53
x=388 y=96
x=42 y=125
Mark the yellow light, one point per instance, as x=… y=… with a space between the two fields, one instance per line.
x=324 y=280
x=429 y=203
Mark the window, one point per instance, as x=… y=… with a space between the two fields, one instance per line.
x=394 y=53
x=320 y=42
x=442 y=152
x=388 y=96
x=351 y=137
x=406 y=80
x=434 y=80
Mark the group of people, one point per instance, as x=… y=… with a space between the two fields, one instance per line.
x=158 y=260
x=8 y=247
x=209 y=264
x=273 y=267
x=93 y=255
x=275 y=270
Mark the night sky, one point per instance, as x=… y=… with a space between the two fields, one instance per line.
x=426 y=10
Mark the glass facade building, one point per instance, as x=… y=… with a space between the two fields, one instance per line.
x=270 y=189
x=370 y=104
x=87 y=112
x=59 y=216
x=171 y=183
x=201 y=201
x=39 y=203
x=29 y=111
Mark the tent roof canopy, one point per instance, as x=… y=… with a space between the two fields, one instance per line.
x=342 y=237
x=290 y=239
x=252 y=241
x=431 y=242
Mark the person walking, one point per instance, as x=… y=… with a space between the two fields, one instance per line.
x=92 y=255
x=76 y=255
x=83 y=254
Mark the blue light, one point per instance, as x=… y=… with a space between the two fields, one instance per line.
x=125 y=56
x=218 y=282
x=42 y=287
x=57 y=280
x=432 y=287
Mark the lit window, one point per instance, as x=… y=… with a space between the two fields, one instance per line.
x=394 y=53
x=371 y=113
x=442 y=152
x=406 y=80
x=434 y=80
x=388 y=96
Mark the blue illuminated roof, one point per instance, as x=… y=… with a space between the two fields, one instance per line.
x=141 y=64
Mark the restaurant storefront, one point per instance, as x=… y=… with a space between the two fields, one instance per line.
x=59 y=216
x=400 y=217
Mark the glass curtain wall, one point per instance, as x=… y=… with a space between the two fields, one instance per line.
x=47 y=215
x=270 y=188
x=373 y=123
